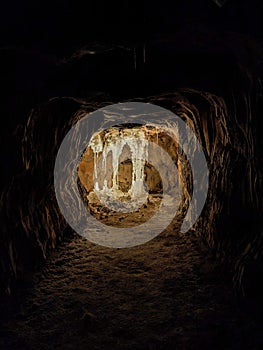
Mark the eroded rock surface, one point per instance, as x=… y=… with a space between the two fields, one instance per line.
x=231 y=220
x=227 y=121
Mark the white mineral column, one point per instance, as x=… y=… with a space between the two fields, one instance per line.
x=115 y=142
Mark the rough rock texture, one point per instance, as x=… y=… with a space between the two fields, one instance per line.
x=167 y=294
x=32 y=223
x=231 y=222
x=227 y=122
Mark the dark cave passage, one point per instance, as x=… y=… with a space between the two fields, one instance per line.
x=198 y=290
x=173 y=290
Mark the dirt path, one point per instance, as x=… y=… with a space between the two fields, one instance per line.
x=166 y=294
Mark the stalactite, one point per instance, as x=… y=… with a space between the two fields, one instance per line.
x=114 y=142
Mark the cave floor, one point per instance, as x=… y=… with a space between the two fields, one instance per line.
x=166 y=294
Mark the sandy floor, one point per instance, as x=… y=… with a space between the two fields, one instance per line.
x=118 y=219
x=165 y=294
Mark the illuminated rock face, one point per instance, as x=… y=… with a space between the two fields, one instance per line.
x=120 y=145
x=117 y=166
x=130 y=167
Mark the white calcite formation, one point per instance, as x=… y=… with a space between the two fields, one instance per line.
x=114 y=142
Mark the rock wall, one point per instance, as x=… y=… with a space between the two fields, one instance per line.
x=31 y=222
x=231 y=223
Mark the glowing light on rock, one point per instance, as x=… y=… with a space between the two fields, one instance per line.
x=72 y=149
x=114 y=142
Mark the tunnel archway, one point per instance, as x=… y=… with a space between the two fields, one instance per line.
x=214 y=131
x=228 y=126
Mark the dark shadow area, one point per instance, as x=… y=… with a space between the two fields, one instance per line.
x=60 y=60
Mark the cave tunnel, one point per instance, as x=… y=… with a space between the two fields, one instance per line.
x=196 y=289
